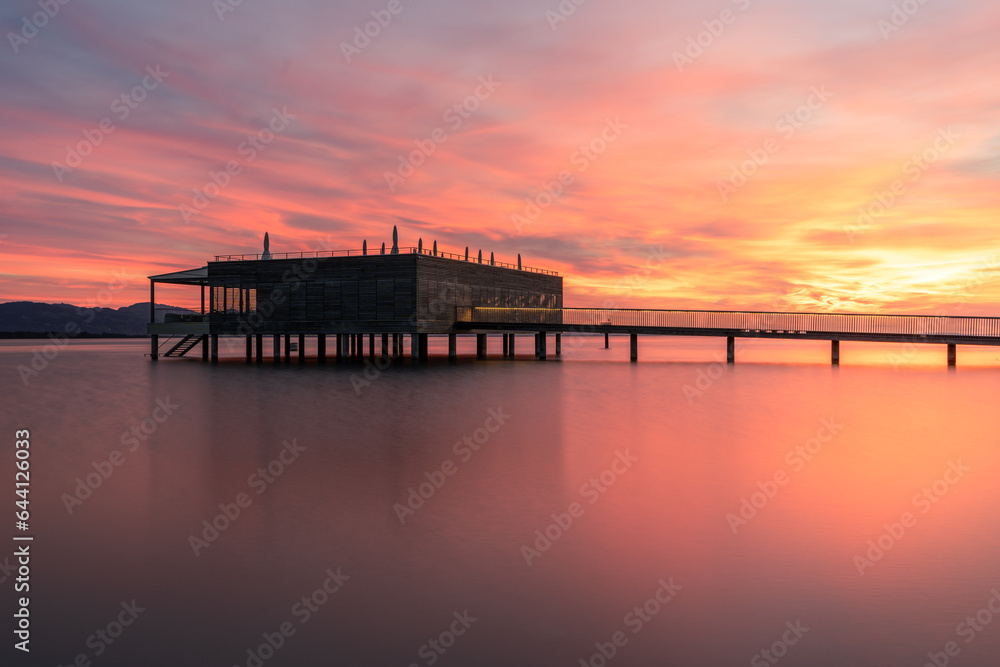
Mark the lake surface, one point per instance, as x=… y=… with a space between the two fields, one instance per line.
x=670 y=512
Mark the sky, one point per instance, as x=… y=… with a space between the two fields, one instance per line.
x=733 y=154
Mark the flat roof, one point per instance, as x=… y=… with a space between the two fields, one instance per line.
x=186 y=277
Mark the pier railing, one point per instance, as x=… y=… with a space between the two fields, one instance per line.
x=409 y=250
x=746 y=321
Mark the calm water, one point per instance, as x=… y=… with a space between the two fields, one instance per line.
x=858 y=452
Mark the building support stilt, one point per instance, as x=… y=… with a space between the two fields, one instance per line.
x=480 y=346
x=558 y=344
x=505 y=343
x=510 y=345
x=321 y=348
x=204 y=348
x=542 y=342
x=276 y=351
x=633 y=347
x=835 y=352
x=302 y=347
x=452 y=347
x=385 y=346
x=215 y=348
x=424 y=353
x=371 y=347
x=288 y=346
x=154 y=339
x=730 y=350
x=951 y=355
x=260 y=348
x=606 y=341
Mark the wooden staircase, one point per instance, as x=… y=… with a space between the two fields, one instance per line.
x=184 y=346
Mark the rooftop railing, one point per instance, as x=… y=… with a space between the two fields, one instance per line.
x=409 y=250
x=749 y=321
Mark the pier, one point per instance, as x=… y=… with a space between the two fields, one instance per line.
x=353 y=299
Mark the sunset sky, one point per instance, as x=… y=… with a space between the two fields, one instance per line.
x=712 y=155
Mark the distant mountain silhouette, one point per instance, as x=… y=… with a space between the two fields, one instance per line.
x=32 y=317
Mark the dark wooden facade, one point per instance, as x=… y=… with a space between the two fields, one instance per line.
x=364 y=294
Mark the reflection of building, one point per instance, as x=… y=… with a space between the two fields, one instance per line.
x=348 y=292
